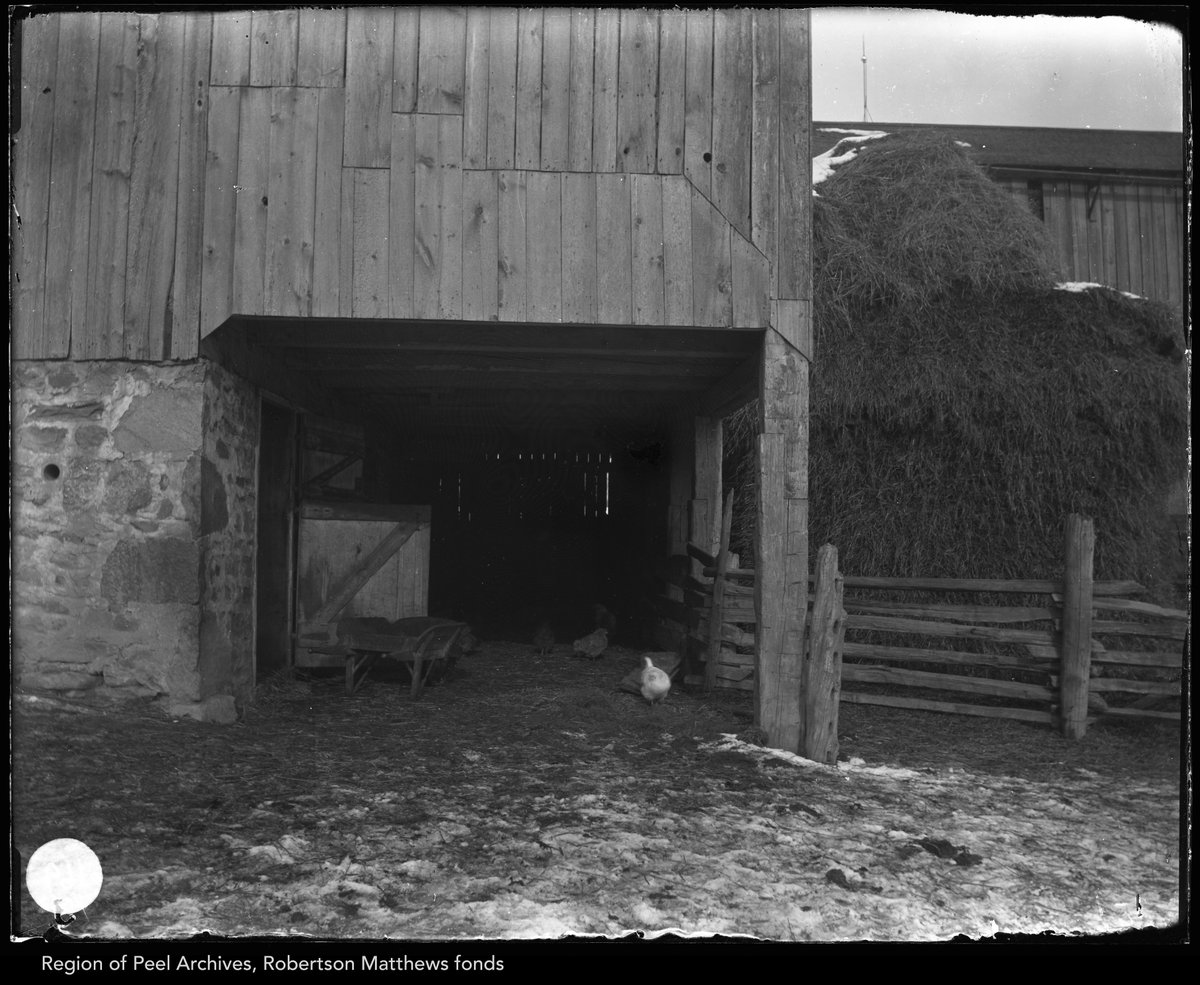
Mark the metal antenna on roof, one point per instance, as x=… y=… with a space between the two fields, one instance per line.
x=866 y=114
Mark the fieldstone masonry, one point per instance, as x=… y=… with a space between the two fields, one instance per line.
x=117 y=505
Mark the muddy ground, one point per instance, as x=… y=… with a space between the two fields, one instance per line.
x=526 y=797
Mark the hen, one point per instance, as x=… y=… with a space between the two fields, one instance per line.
x=655 y=683
x=593 y=645
x=543 y=639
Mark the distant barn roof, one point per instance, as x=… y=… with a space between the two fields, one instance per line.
x=1130 y=152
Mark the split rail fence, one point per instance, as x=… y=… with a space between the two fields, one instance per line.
x=1066 y=652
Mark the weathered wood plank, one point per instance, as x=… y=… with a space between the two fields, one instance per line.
x=793 y=321
x=371 y=293
x=1077 y=219
x=711 y=264
x=1158 y=630
x=1056 y=203
x=946 y=682
x=153 y=186
x=646 y=200
x=481 y=246
x=1154 y=208
x=437 y=248
x=1108 y=244
x=915 y=654
x=672 y=61
x=346 y=236
x=927 y=627
x=1176 y=249
x=579 y=117
x=677 y=251
x=231 y=48
x=475 y=91
x=950 y=707
x=793 y=257
x=370 y=35
x=556 y=88
x=70 y=173
x=31 y=187
x=291 y=202
x=733 y=64
x=321 y=56
x=637 y=91
x=274 y=40
x=698 y=100
x=579 y=258
x=405 y=38
x=1138 y=658
x=528 y=152
x=614 y=263
x=511 y=235
x=250 y=218
x=543 y=247
x=220 y=206
x=189 y=227
x=604 y=89
x=751 y=285
x=441 y=60
x=954 y=613
x=402 y=223
x=823 y=671
x=764 y=139
x=327 y=239
x=502 y=88
x=781 y=560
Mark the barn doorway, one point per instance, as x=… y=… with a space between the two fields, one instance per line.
x=545 y=452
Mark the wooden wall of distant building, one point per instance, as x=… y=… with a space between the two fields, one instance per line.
x=550 y=165
x=1125 y=235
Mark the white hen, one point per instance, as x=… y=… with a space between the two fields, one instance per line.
x=655 y=683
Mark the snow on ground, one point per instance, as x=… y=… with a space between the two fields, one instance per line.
x=1080 y=286
x=777 y=848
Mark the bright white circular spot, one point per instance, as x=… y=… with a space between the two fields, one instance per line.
x=64 y=876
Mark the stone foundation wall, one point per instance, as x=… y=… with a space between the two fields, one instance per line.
x=133 y=531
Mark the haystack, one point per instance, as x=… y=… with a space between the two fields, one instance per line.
x=961 y=405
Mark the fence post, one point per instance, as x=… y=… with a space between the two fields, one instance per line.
x=821 y=675
x=1077 y=626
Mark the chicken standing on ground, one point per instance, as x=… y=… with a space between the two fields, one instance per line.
x=593 y=645
x=655 y=683
x=543 y=639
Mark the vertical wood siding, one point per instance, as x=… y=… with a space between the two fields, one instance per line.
x=548 y=164
x=1123 y=235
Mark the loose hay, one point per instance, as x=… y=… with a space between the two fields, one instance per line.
x=960 y=406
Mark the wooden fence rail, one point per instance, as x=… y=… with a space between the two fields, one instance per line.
x=1070 y=653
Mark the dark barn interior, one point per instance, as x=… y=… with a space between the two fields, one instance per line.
x=545 y=452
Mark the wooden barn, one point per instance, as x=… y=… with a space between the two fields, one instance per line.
x=1112 y=200
x=490 y=275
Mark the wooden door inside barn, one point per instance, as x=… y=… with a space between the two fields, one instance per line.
x=359 y=559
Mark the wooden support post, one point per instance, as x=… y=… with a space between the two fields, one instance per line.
x=1077 y=625
x=716 y=616
x=781 y=543
x=822 y=683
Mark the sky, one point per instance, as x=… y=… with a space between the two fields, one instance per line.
x=932 y=66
